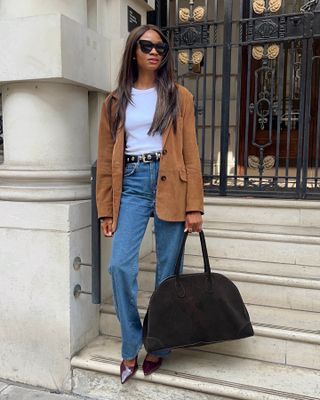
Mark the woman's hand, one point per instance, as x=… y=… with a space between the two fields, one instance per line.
x=106 y=226
x=193 y=222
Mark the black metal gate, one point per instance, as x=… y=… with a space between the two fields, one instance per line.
x=253 y=67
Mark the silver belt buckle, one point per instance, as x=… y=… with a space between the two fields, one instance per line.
x=146 y=158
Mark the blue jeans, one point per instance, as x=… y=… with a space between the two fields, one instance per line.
x=137 y=204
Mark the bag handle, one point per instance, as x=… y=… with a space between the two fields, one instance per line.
x=207 y=268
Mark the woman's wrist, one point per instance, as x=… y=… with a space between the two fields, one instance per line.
x=104 y=218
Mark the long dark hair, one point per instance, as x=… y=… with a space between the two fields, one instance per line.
x=166 y=108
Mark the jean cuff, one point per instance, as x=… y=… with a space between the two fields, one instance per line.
x=161 y=353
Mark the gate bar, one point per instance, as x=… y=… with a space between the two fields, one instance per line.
x=225 y=96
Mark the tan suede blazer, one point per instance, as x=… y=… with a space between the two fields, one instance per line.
x=179 y=188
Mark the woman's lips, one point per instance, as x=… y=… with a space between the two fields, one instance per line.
x=153 y=60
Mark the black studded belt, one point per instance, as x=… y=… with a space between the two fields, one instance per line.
x=145 y=158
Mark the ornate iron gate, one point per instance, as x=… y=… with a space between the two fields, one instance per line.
x=253 y=67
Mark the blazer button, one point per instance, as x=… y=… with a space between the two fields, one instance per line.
x=164 y=151
x=163 y=178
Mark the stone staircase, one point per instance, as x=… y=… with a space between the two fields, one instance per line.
x=270 y=250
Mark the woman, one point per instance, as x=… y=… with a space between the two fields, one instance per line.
x=148 y=164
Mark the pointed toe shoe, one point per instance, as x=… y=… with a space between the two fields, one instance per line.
x=149 y=367
x=127 y=372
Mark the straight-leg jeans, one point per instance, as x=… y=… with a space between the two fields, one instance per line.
x=136 y=206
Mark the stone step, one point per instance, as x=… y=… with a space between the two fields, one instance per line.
x=255 y=288
x=188 y=374
x=263 y=212
x=294 y=320
x=262 y=228
x=263 y=247
x=245 y=242
x=246 y=266
x=285 y=341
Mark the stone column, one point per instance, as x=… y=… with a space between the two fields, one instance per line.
x=46 y=142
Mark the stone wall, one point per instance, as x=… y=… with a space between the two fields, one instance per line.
x=59 y=59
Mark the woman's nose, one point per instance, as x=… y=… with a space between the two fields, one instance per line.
x=154 y=51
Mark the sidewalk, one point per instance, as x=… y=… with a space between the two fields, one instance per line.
x=12 y=391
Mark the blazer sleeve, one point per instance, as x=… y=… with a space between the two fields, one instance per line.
x=104 y=192
x=191 y=157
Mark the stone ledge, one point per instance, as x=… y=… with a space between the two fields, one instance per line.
x=52 y=216
x=253 y=277
x=3 y=386
x=261 y=202
x=261 y=236
x=271 y=228
x=50 y=192
x=44 y=185
x=102 y=386
x=54 y=47
x=266 y=330
x=211 y=374
x=272 y=247
x=246 y=265
x=25 y=174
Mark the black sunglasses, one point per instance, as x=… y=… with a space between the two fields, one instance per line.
x=146 y=46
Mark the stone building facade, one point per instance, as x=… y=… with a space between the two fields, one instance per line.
x=253 y=67
x=60 y=58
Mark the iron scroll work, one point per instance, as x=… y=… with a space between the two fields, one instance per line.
x=254 y=70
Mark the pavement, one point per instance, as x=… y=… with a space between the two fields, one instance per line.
x=13 y=391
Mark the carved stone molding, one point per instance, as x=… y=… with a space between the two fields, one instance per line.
x=44 y=185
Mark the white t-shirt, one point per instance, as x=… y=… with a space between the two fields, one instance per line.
x=139 y=117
